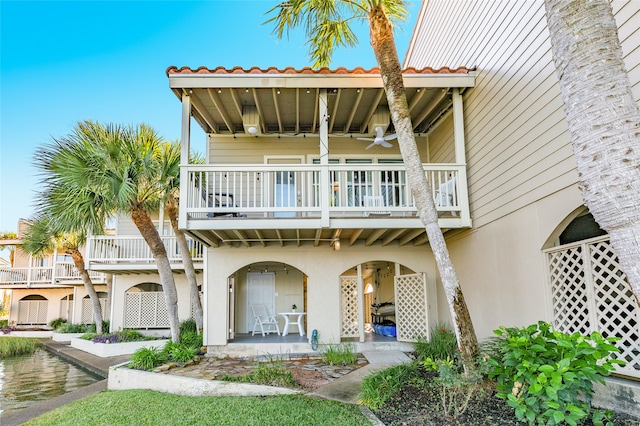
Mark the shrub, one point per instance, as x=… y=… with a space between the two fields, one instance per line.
x=72 y=328
x=147 y=358
x=342 y=354
x=188 y=326
x=270 y=373
x=443 y=345
x=12 y=346
x=4 y=323
x=192 y=339
x=56 y=323
x=182 y=353
x=547 y=376
x=379 y=386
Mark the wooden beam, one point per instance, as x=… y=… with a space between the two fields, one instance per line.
x=392 y=236
x=354 y=236
x=374 y=236
x=410 y=236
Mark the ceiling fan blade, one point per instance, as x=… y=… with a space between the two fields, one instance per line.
x=365 y=139
x=389 y=137
x=379 y=132
x=385 y=144
x=370 y=146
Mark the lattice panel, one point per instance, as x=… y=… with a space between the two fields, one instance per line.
x=411 y=308
x=87 y=310
x=569 y=291
x=32 y=311
x=349 y=307
x=599 y=291
x=66 y=309
x=145 y=310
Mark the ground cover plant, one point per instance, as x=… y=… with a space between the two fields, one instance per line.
x=117 y=337
x=12 y=346
x=342 y=354
x=190 y=345
x=270 y=373
x=142 y=407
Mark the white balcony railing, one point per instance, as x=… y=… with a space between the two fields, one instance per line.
x=134 y=250
x=61 y=272
x=313 y=190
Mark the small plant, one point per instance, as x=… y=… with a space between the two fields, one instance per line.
x=294 y=307
x=342 y=354
x=456 y=389
x=72 y=328
x=443 y=345
x=192 y=339
x=147 y=358
x=379 y=386
x=12 y=346
x=57 y=323
x=270 y=373
x=188 y=326
x=8 y=329
x=182 y=353
x=4 y=323
x=547 y=376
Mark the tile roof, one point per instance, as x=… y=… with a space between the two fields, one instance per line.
x=173 y=70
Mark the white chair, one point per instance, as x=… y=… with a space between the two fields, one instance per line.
x=445 y=195
x=376 y=202
x=264 y=320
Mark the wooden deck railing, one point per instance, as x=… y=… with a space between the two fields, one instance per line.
x=134 y=250
x=313 y=190
x=61 y=272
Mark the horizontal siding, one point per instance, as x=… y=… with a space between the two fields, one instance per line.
x=517 y=143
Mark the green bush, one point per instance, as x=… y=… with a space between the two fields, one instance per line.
x=192 y=339
x=547 y=376
x=73 y=328
x=443 y=345
x=342 y=354
x=12 y=346
x=379 y=386
x=4 y=323
x=270 y=373
x=147 y=358
x=56 y=323
x=188 y=326
x=182 y=353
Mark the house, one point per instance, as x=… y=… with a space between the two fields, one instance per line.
x=301 y=201
x=534 y=251
x=43 y=289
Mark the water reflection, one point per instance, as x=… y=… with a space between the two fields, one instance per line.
x=27 y=379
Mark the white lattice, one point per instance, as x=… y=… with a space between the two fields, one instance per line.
x=349 y=307
x=145 y=310
x=87 y=310
x=66 y=309
x=32 y=311
x=411 y=307
x=590 y=293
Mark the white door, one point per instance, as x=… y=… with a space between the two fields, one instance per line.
x=261 y=290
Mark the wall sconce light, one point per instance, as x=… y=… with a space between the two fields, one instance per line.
x=336 y=244
x=266 y=269
x=249 y=268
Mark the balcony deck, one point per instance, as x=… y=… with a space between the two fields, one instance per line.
x=244 y=204
x=61 y=274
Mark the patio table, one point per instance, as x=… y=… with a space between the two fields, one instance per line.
x=288 y=321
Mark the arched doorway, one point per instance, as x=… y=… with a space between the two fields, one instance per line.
x=66 y=307
x=32 y=310
x=87 y=309
x=589 y=290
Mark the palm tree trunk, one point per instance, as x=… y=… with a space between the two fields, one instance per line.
x=171 y=208
x=603 y=120
x=381 y=33
x=143 y=222
x=78 y=261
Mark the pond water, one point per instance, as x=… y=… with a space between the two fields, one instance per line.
x=27 y=379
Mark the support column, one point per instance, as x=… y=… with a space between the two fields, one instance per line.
x=185 y=148
x=461 y=160
x=323 y=131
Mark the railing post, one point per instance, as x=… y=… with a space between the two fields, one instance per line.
x=184 y=157
x=323 y=132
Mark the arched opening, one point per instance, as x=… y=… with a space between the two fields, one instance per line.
x=32 y=310
x=589 y=290
x=66 y=307
x=145 y=307
x=87 y=308
x=275 y=290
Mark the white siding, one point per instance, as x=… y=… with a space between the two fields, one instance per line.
x=517 y=141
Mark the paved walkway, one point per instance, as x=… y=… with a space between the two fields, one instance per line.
x=344 y=389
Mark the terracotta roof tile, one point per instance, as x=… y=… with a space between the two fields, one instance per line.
x=173 y=70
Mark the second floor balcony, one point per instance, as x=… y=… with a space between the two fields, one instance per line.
x=61 y=273
x=239 y=202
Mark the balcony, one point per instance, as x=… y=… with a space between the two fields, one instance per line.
x=62 y=273
x=240 y=203
x=124 y=254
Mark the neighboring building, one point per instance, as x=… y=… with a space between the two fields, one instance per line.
x=534 y=252
x=295 y=209
x=43 y=289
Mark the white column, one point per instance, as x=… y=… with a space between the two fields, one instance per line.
x=323 y=132
x=360 y=291
x=185 y=148
x=459 y=143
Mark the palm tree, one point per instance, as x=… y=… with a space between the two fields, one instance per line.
x=603 y=120
x=41 y=239
x=99 y=170
x=327 y=27
x=169 y=178
x=10 y=247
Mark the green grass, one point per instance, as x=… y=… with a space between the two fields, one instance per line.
x=342 y=354
x=141 y=407
x=12 y=346
x=270 y=373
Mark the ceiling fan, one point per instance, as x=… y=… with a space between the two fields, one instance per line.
x=380 y=139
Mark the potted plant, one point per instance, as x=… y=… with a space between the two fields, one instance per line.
x=293 y=307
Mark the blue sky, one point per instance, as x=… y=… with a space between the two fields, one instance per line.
x=66 y=61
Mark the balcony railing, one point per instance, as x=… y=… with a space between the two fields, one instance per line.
x=60 y=273
x=317 y=191
x=134 y=250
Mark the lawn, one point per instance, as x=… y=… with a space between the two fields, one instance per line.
x=141 y=407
